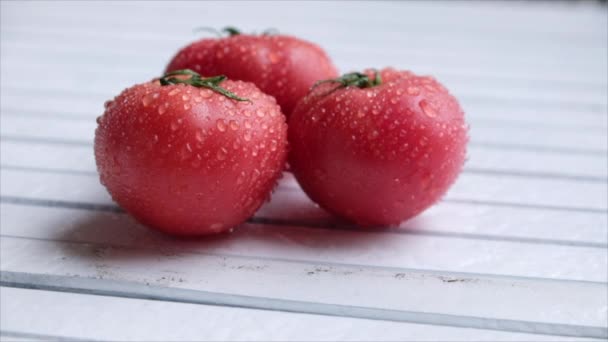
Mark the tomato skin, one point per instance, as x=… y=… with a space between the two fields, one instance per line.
x=189 y=161
x=282 y=66
x=378 y=156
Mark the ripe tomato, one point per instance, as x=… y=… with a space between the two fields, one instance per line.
x=190 y=157
x=377 y=150
x=282 y=66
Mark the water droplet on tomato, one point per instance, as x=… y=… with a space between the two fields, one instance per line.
x=174 y=92
x=273 y=57
x=149 y=98
x=205 y=93
x=428 y=109
x=222 y=153
x=413 y=90
x=199 y=135
x=196 y=162
x=221 y=125
x=260 y=113
x=234 y=125
x=273 y=145
x=162 y=108
x=185 y=97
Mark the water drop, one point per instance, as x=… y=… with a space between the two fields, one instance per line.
x=234 y=125
x=360 y=114
x=185 y=97
x=199 y=135
x=247 y=124
x=413 y=90
x=373 y=134
x=221 y=125
x=241 y=178
x=260 y=113
x=247 y=136
x=148 y=99
x=162 y=108
x=205 y=93
x=273 y=145
x=273 y=57
x=196 y=162
x=174 y=91
x=428 y=109
x=186 y=106
x=222 y=153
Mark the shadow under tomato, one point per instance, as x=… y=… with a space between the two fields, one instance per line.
x=109 y=237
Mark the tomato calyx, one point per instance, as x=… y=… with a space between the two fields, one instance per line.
x=353 y=79
x=196 y=80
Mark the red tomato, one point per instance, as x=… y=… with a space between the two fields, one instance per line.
x=377 y=152
x=189 y=160
x=282 y=66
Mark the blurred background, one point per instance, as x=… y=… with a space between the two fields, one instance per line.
x=518 y=246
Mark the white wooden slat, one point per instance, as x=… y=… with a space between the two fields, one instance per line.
x=576 y=195
x=465 y=18
x=481 y=160
x=312 y=283
x=464 y=220
x=83 y=43
x=294 y=242
x=142 y=69
x=573 y=141
x=62 y=49
x=92 y=317
x=479 y=115
x=454 y=217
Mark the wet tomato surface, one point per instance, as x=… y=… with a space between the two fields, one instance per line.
x=377 y=148
x=280 y=65
x=189 y=160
